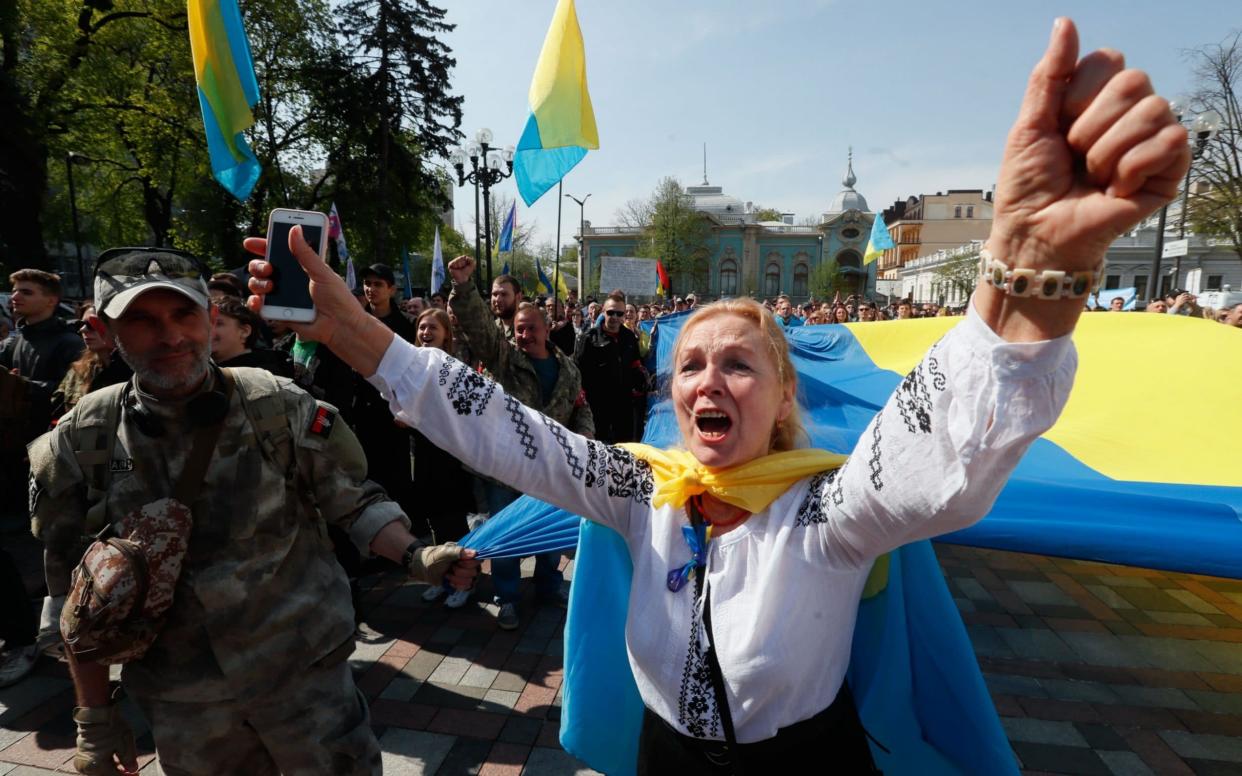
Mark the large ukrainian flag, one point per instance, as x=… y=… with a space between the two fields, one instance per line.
x=561 y=126
x=1103 y=484
x=227 y=90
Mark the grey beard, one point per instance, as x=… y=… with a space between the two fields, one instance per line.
x=150 y=378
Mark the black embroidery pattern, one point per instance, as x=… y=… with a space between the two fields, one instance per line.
x=914 y=402
x=597 y=464
x=814 y=508
x=521 y=426
x=627 y=476
x=696 y=699
x=470 y=391
x=562 y=438
x=933 y=365
x=874 y=460
x=445 y=367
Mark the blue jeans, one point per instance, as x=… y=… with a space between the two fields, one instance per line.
x=507 y=572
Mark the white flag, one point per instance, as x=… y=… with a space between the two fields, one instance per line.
x=437 y=265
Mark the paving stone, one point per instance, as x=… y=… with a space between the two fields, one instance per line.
x=964 y=605
x=1127 y=582
x=479 y=676
x=1037 y=644
x=1226 y=657
x=544 y=761
x=1193 y=602
x=1109 y=596
x=1171 y=654
x=1125 y=763
x=20 y=698
x=1043 y=731
x=413 y=752
x=1159 y=697
x=1041 y=593
x=1075 y=690
x=468 y=723
x=1150 y=598
x=1204 y=747
x=1101 y=737
x=972 y=589
x=1218 y=702
x=422 y=665
x=465 y=758
x=1211 y=723
x=1212 y=768
x=520 y=730
x=1179 y=618
x=1060 y=759
x=508 y=680
x=449 y=696
x=1015 y=685
x=401 y=688
x=1102 y=649
x=500 y=701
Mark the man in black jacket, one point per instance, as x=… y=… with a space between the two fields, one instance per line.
x=612 y=374
x=44 y=347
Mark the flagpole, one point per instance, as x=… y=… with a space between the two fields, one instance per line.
x=556 y=279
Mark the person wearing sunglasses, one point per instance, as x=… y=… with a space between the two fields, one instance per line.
x=97 y=367
x=247 y=670
x=613 y=376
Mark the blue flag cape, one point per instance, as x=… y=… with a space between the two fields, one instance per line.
x=1093 y=487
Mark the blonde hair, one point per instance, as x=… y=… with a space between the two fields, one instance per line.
x=785 y=436
x=445 y=322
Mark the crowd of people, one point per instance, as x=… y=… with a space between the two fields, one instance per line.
x=1179 y=301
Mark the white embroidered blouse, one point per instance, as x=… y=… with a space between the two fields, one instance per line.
x=786 y=584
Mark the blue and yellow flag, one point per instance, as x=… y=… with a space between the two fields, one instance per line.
x=880 y=240
x=506 y=232
x=561 y=126
x=1096 y=486
x=227 y=90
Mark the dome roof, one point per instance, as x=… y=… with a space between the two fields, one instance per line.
x=712 y=199
x=848 y=199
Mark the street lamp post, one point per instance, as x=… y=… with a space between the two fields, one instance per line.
x=71 y=159
x=488 y=166
x=581 y=241
x=1204 y=126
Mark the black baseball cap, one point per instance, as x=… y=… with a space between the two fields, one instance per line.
x=381 y=271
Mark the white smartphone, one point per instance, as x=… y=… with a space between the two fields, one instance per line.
x=290 y=300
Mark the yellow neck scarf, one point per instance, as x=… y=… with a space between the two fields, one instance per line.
x=751 y=486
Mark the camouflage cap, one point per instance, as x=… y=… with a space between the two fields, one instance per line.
x=124 y=274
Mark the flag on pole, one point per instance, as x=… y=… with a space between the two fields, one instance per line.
x=227 y=90
x=506 y=232
x=351 y=276
x=880 y=240
x=545 y=285
x=437 y=265
x=664 y=284
x=337 y=232
x=505 y=269
x=561 y=125
x=405 y=267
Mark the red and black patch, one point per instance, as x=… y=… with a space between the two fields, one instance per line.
x=322 y=422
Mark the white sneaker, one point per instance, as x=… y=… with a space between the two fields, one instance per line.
x=17 y=663
x=433 y=593
x=457 y=599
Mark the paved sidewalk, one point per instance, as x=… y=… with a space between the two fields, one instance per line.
x=1095 y=669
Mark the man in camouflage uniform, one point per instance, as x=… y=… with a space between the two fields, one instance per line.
x=249 y=672
x=539 y=376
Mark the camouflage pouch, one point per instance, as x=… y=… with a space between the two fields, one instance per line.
x=121 y=591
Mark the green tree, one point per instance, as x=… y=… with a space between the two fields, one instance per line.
x=676 y=234
x=826 y=280
x=768 y=214
x=400 y=72
x=1215 y=207
x=960 y=272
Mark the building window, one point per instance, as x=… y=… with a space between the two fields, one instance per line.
x=772 y=281
x=801 y=273
x=970 y=211
x=957 y=212
x=1140 y=286
x=728 y=278
x=1214 y=282
x=1111 y=282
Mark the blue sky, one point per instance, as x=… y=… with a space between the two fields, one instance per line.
x=923 y=91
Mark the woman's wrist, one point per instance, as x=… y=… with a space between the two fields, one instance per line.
x=1030 y=319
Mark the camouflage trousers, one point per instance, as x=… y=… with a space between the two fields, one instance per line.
x=319 y=725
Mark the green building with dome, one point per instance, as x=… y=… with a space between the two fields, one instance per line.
x=749 y=257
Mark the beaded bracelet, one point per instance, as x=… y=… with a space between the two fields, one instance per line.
x=1046 y=284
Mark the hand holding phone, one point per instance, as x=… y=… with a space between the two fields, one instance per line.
x=290 y=299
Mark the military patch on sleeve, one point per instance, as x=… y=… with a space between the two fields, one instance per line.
x=581 y=399
x=322 y=421
x=35 y=491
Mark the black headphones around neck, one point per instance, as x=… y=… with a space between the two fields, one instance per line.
x=203 y=410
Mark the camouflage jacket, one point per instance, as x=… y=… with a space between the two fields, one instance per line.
x=510 y=367
x=260 y=596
